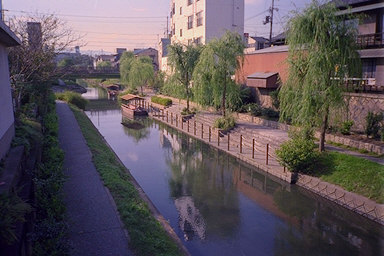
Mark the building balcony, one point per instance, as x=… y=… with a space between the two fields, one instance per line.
x=370 y=41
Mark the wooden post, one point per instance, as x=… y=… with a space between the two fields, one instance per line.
x=253 y=148
x=218 y=137
x=162 y=114
x=209 y=136
x=171 y=118
x=202 y=130
x=194 y=127
x=182 y=125
x=176 y=120
x=188 y=125
x=228 y=141
x=241 y=144
x=267 y=155
x=167 y=116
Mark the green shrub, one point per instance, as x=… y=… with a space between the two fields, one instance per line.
x=254 y=109
x=185 y=111
x=162 y=101
x=275 y=99
x=225 y=123
x=373 y=124
x=382 y=134
x=298 y=154
x=269 y=112
x=12 y=210
x=72 y=98
x=346 y=126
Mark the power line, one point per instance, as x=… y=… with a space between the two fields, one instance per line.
x=89 y=16
x=111 y=33
x=254 y=16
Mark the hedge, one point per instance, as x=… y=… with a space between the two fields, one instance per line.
x=162 y=101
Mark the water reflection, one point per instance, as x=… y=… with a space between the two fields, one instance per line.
x=95 y=93
x=220 y=206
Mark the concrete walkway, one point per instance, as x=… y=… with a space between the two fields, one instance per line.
x=94 y=224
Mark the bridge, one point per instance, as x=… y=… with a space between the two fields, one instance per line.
x=75 y=72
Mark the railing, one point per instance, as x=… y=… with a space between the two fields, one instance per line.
x=261 y=152
x=363 y=85
x=371 y=40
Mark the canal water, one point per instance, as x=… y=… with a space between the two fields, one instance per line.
x=218 y=205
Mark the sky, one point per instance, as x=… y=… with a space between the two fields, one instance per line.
x=108 y=24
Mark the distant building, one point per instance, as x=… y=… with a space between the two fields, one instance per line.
x=7 y=127
x=163 y=53
x=35 y=35
x=108 y=58
x=255 y=42
x=121 y=50
x=150 y=52
x=77 y=49
x=199 y=21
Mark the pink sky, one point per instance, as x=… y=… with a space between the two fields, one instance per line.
x=135 y=23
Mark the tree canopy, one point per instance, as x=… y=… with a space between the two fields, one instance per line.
x=213 y=74
x=322 y=53
x=125 y=66
x=183 y=59
x=141 y=73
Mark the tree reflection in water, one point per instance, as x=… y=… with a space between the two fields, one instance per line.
x=201 y=185
x=137 y=128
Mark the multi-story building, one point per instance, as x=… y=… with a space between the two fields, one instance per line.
x=163 y=53
x=199 y=21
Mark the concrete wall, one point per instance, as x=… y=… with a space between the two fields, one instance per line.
x=6 y=107
x=380 y=71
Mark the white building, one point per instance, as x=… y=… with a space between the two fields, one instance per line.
x=199 y=21
x=7 y=126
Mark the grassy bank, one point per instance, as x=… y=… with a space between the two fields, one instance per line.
x=354 y=174
x=147 y=237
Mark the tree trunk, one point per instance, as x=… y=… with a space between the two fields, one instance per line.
x=142 y=93
x=323 y=130
x=223 y=97
x=187 y=91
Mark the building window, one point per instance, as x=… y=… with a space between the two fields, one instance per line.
x=173 y=9
x=189 y=41
x=181 y=32
x=199 y=40
x=190 y=22
x=369 y=68
x=199 y=17
x=181 y=10
x=173 y=30
x=189 y=2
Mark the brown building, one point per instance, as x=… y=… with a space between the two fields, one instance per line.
x=150 y=52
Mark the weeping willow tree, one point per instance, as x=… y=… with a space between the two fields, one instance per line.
x=183 y=60
x=213 y=84
x=322 y=54
x=141 y=73
x=125 y=66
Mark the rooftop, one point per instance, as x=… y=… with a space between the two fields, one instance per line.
x=7 y=37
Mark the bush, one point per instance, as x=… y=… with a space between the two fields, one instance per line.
x=225 y=123
x=162 y=101
x=185 y=111
x=346 y=126
x=252 y=108
x=382 y=134
x=275 y=99
x=298 y=154
x=373 y=124
x=269 y=112
x=72 y=98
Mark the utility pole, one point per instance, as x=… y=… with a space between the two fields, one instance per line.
x=270 y=30
x=269 y=19
x=167 y=27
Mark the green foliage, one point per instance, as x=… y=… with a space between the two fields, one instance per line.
x=172 y=87
x=212 y=76
x=225 y=123
x=147 y=237
x=275 y=98
x=253 y=108
x=12 y=211
x=104 y=65
x=298 y=154
x=50 y=230
x=157 y=83
x=373 y=124
x=64 y=63
x=141 y=73
x=382 y=134
x=125 y=66
x=322 y=53
x=346 y=126
x=186 y=111
x=162 y=101
x=72 y=98
x=270 y=113
x=183 y=59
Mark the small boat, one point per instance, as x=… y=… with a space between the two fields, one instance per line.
x=133 y=105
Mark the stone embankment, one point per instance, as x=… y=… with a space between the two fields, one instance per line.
x=256 y=144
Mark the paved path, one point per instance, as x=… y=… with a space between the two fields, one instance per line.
x=94 y=225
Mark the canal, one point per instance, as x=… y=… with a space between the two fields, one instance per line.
x=218 y=205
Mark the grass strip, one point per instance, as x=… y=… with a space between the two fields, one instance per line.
x=147 y=236
x=359 y=150
x=354 y=174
